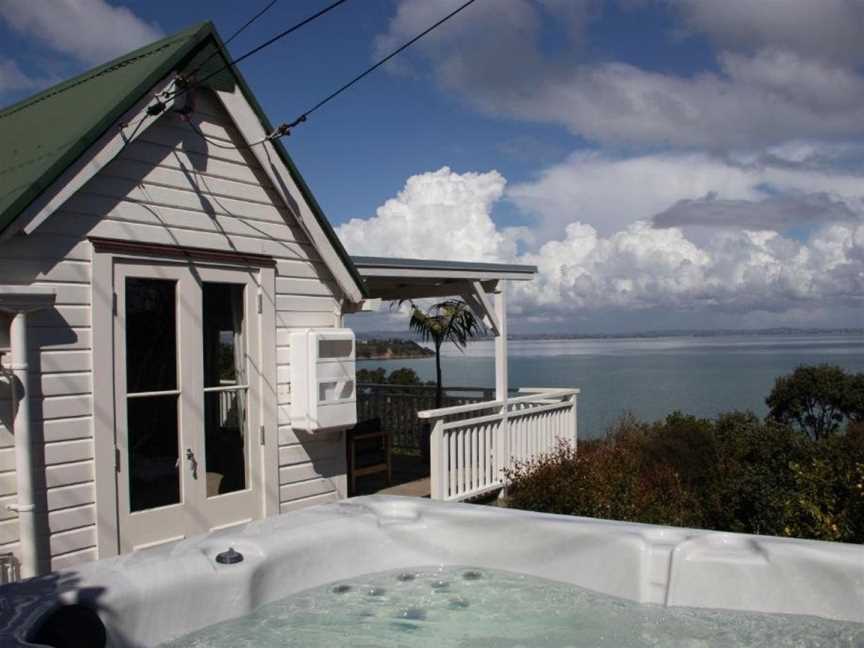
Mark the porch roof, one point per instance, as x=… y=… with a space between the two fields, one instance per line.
x=393 y=278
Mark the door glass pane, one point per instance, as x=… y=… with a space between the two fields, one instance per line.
x=225 y=425
x=154 y=475
x=224 y=349
x=151 y=335
x=225 y=439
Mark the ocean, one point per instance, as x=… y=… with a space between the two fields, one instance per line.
x=648 y=377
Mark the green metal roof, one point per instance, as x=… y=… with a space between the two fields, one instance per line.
x=45 y=134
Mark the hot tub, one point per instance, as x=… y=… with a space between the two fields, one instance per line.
x=156 y=595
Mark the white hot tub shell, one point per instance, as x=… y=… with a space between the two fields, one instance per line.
x=151 y=596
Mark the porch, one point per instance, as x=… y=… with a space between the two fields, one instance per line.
x=461 y=450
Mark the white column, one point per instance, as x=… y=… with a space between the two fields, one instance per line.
x=34 y=551
x=503 y=443
x=501 y=345
x=24 y=460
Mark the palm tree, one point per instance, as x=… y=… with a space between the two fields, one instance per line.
x=447 y=321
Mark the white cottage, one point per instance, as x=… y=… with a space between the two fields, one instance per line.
x=155 y=259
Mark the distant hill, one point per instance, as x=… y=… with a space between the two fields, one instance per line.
x=774 y=332
x=391 y=349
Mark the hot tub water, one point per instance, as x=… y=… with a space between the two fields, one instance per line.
x=482 y=608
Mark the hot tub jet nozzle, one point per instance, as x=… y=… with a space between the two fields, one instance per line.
x=229 y=557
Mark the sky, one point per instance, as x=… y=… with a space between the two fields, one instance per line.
x=665 y=165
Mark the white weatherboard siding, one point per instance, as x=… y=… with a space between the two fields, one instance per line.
x=61 y=386
x=171 y=187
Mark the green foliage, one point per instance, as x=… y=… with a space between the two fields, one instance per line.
x=379 y=376
x=853 y=399
x=753 y=480
x=405 y=376
x=817 y=399
x=828 y=501
x=391 y=348
x=610 y=479
x=448 y=321
x=736 y=473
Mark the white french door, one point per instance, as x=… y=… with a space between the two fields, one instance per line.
x=186 y=364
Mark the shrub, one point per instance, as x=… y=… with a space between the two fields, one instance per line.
x=817 y=399
x=375 y=376
x=405 y=376
x=735 y=473
x=853 y=398
x=379 y=376
x=612 y=479
x=828 y=498
x=754 y=479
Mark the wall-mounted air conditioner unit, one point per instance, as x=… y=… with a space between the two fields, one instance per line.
x=323 y=383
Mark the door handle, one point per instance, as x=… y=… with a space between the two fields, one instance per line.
x=193 y=462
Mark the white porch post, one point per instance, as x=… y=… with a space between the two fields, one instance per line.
x=501 y=386
x=501 y=345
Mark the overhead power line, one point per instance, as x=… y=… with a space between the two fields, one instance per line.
x=285 y=128
x=236 y=33
x=157 y=108
x=232 y=63
x=251 y=20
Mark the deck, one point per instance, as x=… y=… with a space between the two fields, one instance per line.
x=458 y=452
x=409 y=477
x=421 y=487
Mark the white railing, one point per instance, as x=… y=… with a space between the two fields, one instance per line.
x=397 y=405
x=472 y=445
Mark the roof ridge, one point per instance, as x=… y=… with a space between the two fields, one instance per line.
x=68 y=117
x=82 y=115
x=105 y=68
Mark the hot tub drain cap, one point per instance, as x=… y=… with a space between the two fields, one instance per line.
x=229 y=557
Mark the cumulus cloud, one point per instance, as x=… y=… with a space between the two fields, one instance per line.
x=438 y=215
x=733 y=193
x=643 y=268
x=92 y=31
x=770 y=87
x=635 y=268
